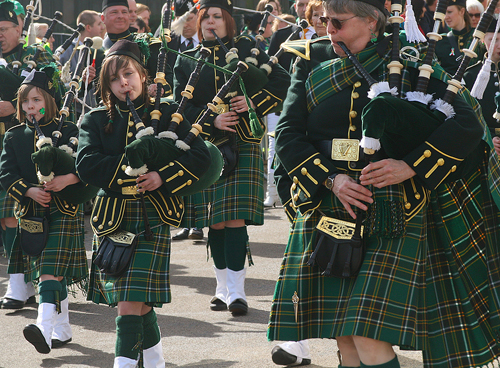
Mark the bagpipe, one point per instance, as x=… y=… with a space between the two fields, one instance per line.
x=151 y=146
x=54 y=159
x=400 y=125
x=273 y=59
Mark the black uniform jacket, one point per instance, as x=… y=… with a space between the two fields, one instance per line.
x=487 y=103
x=18 y=173
x=101 y=162
x=300 y=136
x=268 y=99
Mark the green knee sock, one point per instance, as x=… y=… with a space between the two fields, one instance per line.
x=64 y=289
x=151 y=330
x=394 y=363
x=344 y=366
x=129 y=335
x=8 y=239
x=50 y=292
x=236 y=247
x=216 y=243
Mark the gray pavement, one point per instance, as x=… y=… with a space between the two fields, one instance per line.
x=192 y=335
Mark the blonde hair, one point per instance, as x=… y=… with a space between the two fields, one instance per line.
x=51 y=109
x=276 y=22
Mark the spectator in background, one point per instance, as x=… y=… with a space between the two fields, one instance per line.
x=427 y=22
x=40 y=30
x=144 y=12
x=475 y=9
x=261 y=6
x=132 y=13
x=315 y=10
x=279 y=24
x=141 y=25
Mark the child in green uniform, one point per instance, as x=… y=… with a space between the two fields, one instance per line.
x=63 y=261
x=106 y=134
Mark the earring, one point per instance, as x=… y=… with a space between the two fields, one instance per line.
x=374 y=36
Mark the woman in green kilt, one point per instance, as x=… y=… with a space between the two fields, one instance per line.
x=429 y=278
x=63 y=261
x=106 y=136
x=236 y=199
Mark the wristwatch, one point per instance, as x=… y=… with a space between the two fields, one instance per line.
x=328 y=183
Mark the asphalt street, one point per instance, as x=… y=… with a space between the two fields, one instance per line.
x=192 y=335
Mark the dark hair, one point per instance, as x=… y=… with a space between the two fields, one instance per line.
x=51 y=109
x=418 y=9
x=142 y=24
x=109 y=68
x=468 y=21
x=228 y=19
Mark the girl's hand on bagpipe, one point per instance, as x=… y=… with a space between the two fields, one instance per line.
x=92 y=73
x=351 y=193
x=496 y=144
x=386 y=172
x=39 y=195
x=60 y=182
x=152 y=90
x=226 y=120
x=148 y=182
x=6 y=109
x=239 y=104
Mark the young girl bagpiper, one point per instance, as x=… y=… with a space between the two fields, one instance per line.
x=60 y=260
x=140 y=202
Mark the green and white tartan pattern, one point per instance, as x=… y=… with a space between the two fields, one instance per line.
x=64 y=254
x=240 y=196
x=147 y=279
x=437 y=289
x=7 y=204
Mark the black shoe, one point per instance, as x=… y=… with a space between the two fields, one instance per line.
x=181 y=235
x=239 y=307
x=217 y=305
x=56 y=343
x=31 y=300
x=282 y=357
x=8 y=303
x=195 y=234
x=33 y=334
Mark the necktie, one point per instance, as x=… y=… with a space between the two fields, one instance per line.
x=187 y=44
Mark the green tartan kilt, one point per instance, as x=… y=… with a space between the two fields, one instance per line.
x=64 y=254
x=147 y=279
x=240 y=196
x=7 y=204
x=436 y=289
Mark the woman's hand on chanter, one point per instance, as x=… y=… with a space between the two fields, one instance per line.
x=351 y=194
x=60 y=182
x=496 y=144
x=39 y=195
x=386 y=172
x=226 y=120
x=148 y=182
x=239 y=104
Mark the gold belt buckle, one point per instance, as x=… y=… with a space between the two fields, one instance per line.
x=131 y=190
x=337 y=228
x=345 y=149
x=221 y=108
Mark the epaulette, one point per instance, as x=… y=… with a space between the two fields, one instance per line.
x=302 y=48
x=243 y=37
x=193 y=50
x=17 y=127
x=97 y=109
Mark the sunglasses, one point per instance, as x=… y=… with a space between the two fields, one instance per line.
x=336 y=23
x=475 y=15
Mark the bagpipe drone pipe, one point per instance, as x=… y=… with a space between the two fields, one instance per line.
x=54 y=159
x=401 y=125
